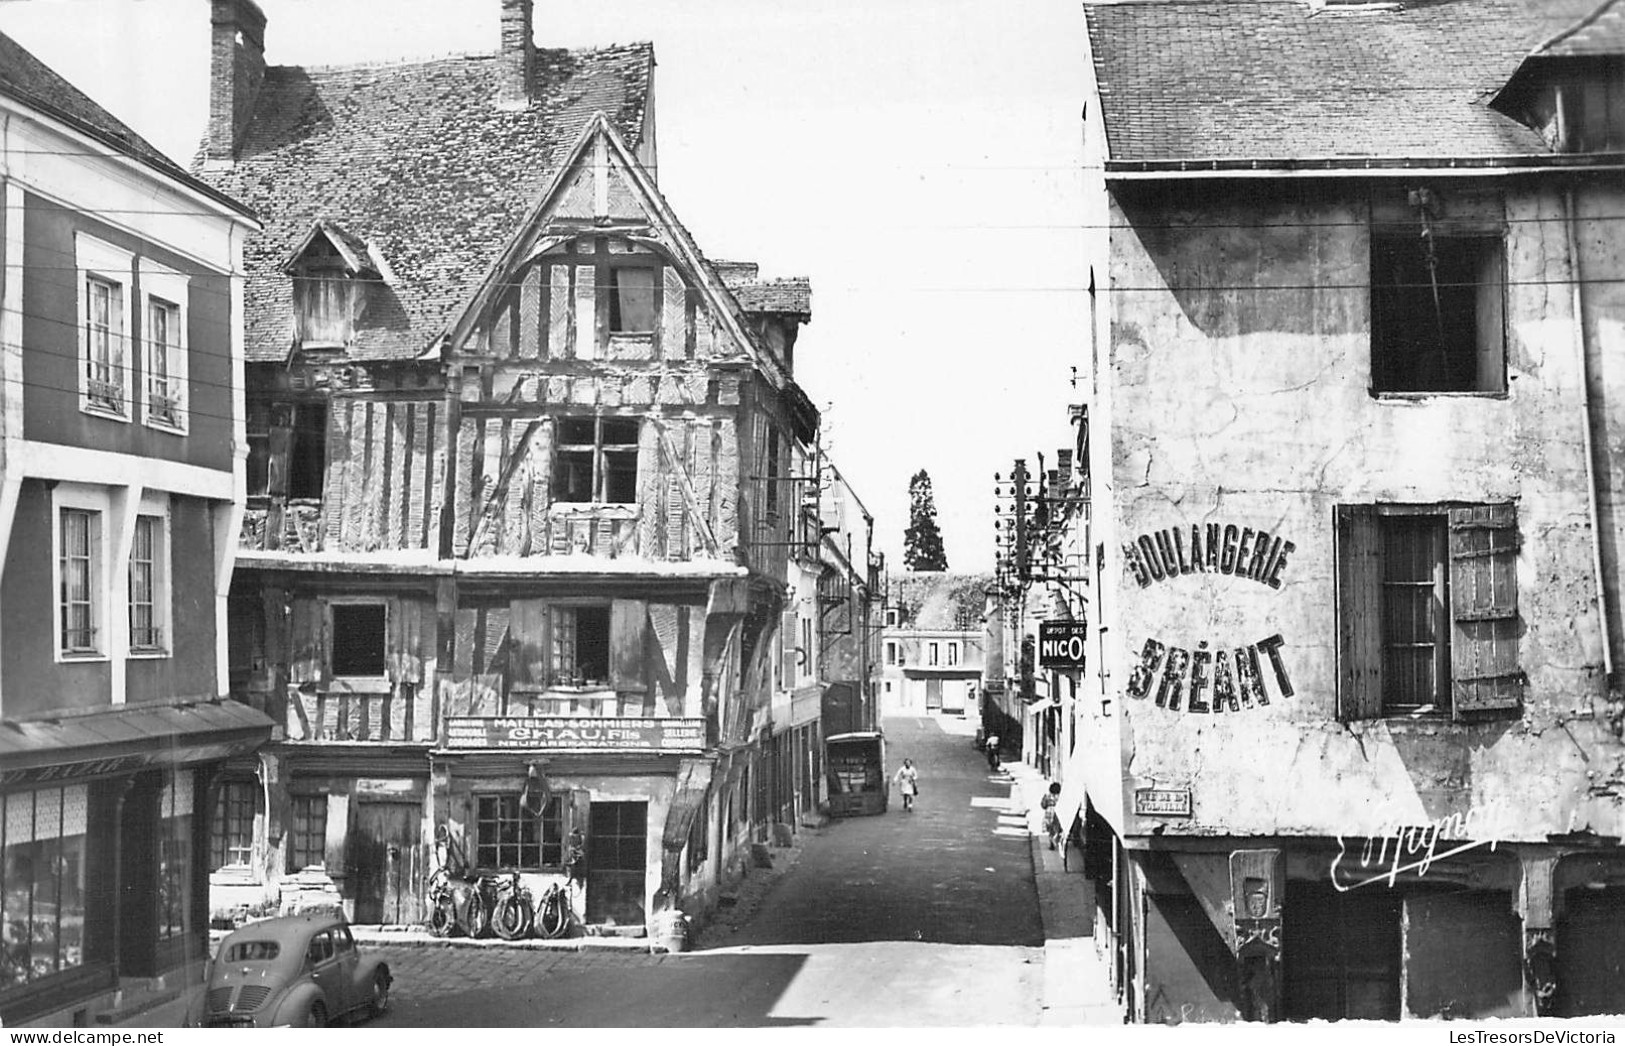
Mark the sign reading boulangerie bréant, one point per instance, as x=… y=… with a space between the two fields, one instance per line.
x=1213 y=674
x=575 y=733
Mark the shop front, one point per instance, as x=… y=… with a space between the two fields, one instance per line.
x=105 y=835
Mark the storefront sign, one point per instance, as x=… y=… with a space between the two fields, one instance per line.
x=122 y=764
x=1162 y=802
x=1062 y=644
x=1216 y=548
x=1210 y=680
x=567 y=733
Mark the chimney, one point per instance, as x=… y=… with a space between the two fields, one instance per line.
x=236 y=68
x=517 y=56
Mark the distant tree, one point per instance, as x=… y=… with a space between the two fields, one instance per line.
x=922 y=541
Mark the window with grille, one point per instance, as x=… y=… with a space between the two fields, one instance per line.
x=148 y=585
x=580 y=636
x=1428 y=610
x=1436 y=312
x=510 y=836
x=307 y=845
x=78 y=573
x=232 y=844
x=596 y=460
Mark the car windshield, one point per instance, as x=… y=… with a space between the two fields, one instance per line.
x=253 y=951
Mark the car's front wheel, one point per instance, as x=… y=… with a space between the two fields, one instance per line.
x=380 y=994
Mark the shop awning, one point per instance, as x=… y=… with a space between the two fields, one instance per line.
x=1072 y=797
x=123 y=738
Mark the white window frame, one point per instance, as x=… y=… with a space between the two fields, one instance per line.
x=67 y=497
x=164 y=286
x=932 y=654
x=101 y=261
x=154 y=507
x=953 y=652
x=892 y=655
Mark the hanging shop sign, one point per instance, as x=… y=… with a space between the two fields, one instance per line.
x=567 y=733
x=1162 y=802
x=1062 y=644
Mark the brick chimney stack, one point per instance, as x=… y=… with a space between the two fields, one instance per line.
x=236 y=69
x=517 y=57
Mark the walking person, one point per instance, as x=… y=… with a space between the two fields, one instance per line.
x=993 y=752
x=1052 y=820
x=908 y=783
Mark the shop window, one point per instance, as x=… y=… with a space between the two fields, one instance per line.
x=175 y=857
x=512 y=837
x=149 y=586
x=307 y=451
x=631 y=300
x=1436 y=313
x=358 y=639
x=307 y=845
x=232 y=840
x=42 y=884
x=580 y=655
x=80 y=579
x=104 y=319
x=1429 y=609
x=596 y=460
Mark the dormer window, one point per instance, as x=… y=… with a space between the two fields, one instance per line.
x=1593 y=110
x=331 y=270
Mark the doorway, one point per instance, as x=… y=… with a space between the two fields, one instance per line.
x=617 y=848
x=385 y=863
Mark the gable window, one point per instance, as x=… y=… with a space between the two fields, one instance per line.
x=324 y=295
x=510 y=836
x=358 y=639
x=580 y=654
x=307 y=450
x=104 y=320
x=232 y=843
x=1428 y=610
x=631 y=299
x=1436 y=312
x=164 y=361
x=80 y=582
x=307 y=846
x=596 y=460
x=149 y=585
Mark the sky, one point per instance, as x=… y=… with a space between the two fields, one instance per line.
x=919 y=160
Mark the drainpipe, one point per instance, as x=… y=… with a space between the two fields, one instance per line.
x=1576 y=283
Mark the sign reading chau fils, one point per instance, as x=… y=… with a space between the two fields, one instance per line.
x=575 y=733
x=1062 y=644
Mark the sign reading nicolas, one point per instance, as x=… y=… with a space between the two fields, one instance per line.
x=1062 y=644
x=575 y=733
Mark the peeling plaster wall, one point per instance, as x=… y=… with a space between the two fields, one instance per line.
x=1238 y=394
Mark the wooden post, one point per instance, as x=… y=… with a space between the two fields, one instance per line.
x=1257 y=888
x=1536 y=903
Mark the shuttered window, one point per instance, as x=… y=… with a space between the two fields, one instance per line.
x=1427 y=610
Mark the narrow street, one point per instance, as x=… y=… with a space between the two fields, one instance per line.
x=924 y=918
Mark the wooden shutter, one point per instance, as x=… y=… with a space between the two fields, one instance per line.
x=405 y=660
x=527 y=632
x=787 y=636
x=305 y=641
x=628 y=629
x=1359 y=612
x=1484 y=671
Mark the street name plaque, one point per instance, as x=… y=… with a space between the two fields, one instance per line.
x=575 y=733
x=1162 y=802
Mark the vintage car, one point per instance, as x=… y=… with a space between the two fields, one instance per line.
x=300 y=970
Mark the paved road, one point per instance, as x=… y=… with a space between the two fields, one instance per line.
x=907 y=919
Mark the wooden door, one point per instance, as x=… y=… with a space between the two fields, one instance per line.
x=386 y=864
x=617 y=848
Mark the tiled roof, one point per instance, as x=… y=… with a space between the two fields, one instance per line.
x=790 y=296
x=932 y=601
x=417 y=160
x=1281 y=79
x=32 y=82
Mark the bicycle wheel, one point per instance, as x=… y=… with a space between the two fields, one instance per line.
x=512 y=917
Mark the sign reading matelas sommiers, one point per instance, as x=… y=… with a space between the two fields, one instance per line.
x=575 y=733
